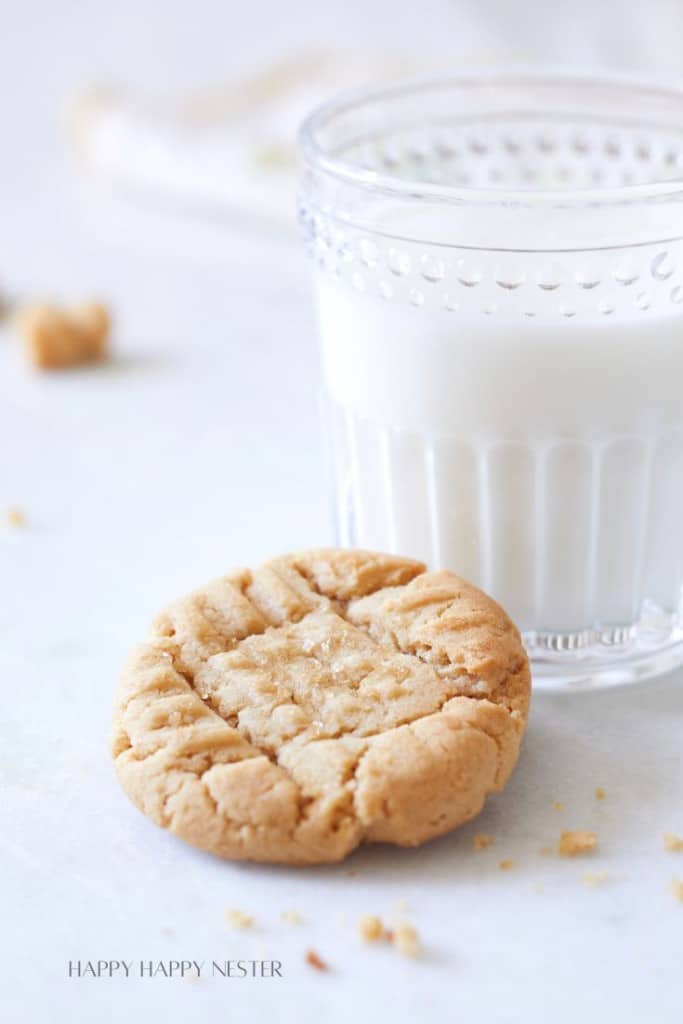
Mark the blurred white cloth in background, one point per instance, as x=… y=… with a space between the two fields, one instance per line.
x=233 y=147
x=230 y=147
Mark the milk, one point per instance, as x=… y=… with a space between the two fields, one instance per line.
x=539 y=457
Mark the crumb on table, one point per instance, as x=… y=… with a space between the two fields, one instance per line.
x=406 y=940
x=676 y=889
x=371 y=929
x=507 y=864
x=238 y=919
x=313 y=960
x=558 y=806
x=291 y=917
x=593 y=879
x=673 y=843
x=57 y=338
x=576 y=842
x=600 y=793
x=16 y=517
x=482 y=841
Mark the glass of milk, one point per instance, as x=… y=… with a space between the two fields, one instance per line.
x=499 y=279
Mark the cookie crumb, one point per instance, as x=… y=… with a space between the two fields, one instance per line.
x=507 y=864
x=482 y=841
x=16 y=517
x=576 y=843
x=238 y=919
x=371 y=929
x=57 y=338
x=406 y=940
x=313 y=960
x=676 y=889
x=673 y=843
x=291 y=917
x=558 y=806
x=600 y=793
x=593 y=879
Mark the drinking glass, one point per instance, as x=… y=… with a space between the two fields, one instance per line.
x=499 y=280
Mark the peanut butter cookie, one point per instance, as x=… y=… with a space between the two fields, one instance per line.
x=325 y=699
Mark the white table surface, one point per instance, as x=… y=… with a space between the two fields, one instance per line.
x=198 y=448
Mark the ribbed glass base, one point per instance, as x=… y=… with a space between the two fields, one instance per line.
x=568 y=533
x=610 y=656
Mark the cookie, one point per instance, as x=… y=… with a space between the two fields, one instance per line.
x=324 y=700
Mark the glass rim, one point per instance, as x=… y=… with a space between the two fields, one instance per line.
x=318 y=156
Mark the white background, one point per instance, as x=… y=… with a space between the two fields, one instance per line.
x=197 y=449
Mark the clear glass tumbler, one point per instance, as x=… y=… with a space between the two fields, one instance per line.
x=499 y=277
